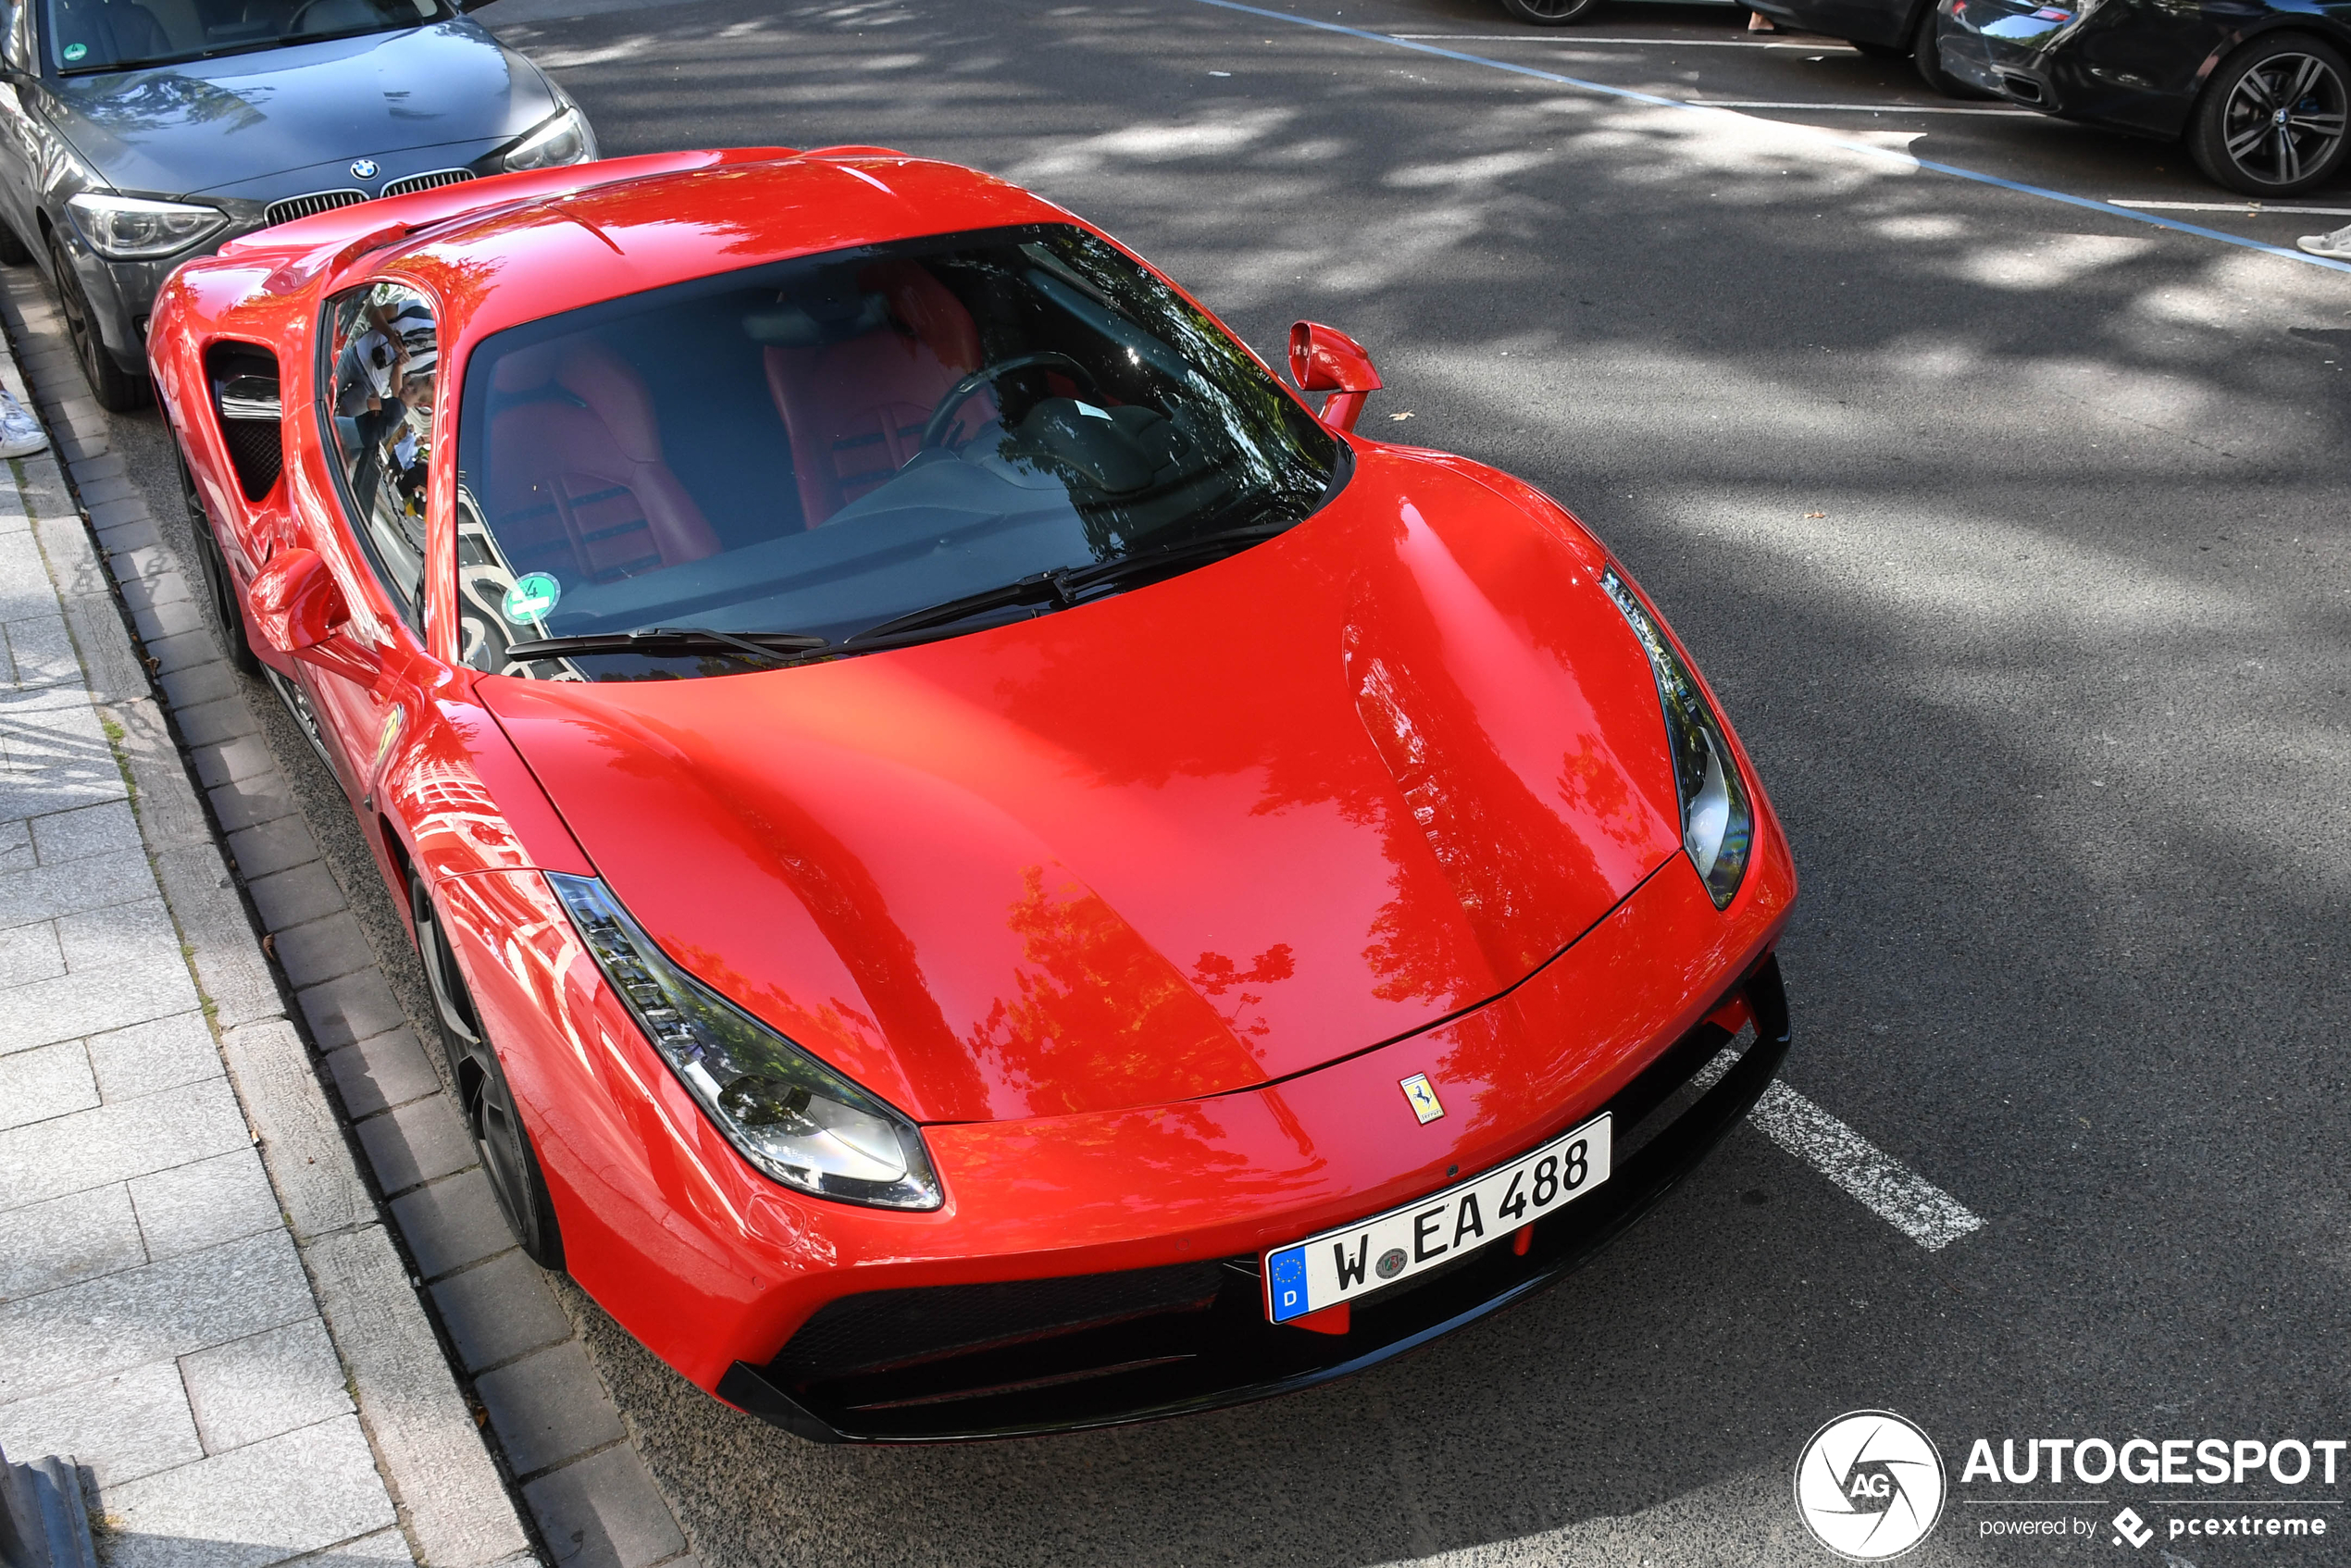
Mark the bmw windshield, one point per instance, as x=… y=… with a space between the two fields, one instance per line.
x=857 y=450
x=105 y=35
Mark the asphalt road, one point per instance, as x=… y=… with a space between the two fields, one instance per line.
x=2013 y=535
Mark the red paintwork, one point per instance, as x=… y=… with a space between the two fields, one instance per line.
x=1122 y=902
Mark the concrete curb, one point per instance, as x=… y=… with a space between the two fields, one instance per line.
x=453 y=1506
x=44 y=1521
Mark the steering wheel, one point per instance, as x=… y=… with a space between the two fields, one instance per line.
x=943 y=416
x=294 y=22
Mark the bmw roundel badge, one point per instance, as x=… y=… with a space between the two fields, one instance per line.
x=364 y=168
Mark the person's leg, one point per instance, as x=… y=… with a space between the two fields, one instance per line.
x=368 y=457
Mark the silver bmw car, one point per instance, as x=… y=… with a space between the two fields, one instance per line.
x=137 y=133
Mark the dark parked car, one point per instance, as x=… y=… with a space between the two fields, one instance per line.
x=1559 y=13
x=2257 y=88
x=1885 y=30
x=137 y=133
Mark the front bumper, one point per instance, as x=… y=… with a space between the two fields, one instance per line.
x=953 y=1363
x=710 y=1264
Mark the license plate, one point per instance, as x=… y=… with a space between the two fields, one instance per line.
x=1355 y=1260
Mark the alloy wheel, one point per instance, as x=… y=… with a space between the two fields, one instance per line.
x=508 y=1161
x=117 y=391
x=497 y=1139
x=2284 y=118
x=1551 y=13
x=225 y=611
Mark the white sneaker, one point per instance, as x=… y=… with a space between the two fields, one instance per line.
x=2335 y=247
x=20 y=433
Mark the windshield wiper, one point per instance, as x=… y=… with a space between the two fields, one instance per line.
x=767 y=647
x=1065 y=585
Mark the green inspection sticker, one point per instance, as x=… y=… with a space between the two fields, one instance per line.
x=532 y=596
x=75 y=51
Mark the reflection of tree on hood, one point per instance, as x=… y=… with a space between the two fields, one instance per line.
x=161 y=99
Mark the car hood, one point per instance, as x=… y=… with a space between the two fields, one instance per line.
x=207 y=126
x=1185 y=841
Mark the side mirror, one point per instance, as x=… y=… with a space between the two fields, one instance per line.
x=296 y=605
x=1325 y=359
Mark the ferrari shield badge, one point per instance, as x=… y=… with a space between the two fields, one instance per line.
x=1421 y=1095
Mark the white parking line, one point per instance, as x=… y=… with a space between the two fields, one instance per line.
x=1886 y=1187
x=1655 y=100
x=1863 y=110
x=2250 y=209
x=1825 y=47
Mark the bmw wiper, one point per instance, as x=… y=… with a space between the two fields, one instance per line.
x=767 y=647
x=1065 y=585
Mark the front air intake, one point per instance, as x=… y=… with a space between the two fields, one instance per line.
x=316 y=202
x=243 y=378
x=433 y=182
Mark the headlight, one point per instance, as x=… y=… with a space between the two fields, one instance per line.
x=1718 y=826
x=562 y=140
x=789 y=1115
x=133 y=229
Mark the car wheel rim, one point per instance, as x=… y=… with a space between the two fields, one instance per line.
x=306 y=717
x=455 y=1017
x=2284 y=118
x=1554 y=8
x=497 y=1139
x=216 y=569
x=69 y=303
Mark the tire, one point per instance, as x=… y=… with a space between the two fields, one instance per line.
x=117 y=390
x=1882 y=51
x=1929 y=61
x=2271 y=121
x=1551 y=12
x=507 y=1159
x=219 y=592
x=14 y=252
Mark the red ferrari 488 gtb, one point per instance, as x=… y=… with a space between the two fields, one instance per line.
x=985 y=868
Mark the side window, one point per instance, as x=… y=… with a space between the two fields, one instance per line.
x=382 y=350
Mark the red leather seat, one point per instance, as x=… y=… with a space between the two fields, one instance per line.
x=579 y=487
x=855 y=409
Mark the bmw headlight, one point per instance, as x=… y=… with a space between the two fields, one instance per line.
x=133 y=229
x=791 y=1115
x=1718 y=826
x=563 y=138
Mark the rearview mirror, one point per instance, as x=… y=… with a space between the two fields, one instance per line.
x=1326 y=359
x=296 y=605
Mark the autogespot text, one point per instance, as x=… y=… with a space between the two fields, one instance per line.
x=2144 y=1461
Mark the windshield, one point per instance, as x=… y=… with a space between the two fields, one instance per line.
x=99 y=36
x=829 y=445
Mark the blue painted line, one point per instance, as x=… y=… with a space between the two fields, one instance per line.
x=1630 y=95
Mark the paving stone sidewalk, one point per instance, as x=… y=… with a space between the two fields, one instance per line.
x=509 y=1332
x=198 y=1300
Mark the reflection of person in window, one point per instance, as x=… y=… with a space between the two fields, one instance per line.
x=407 y=445
x=380 y=428
x=366 y=370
